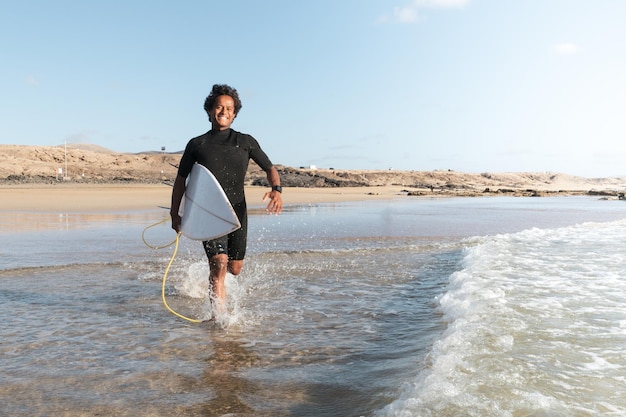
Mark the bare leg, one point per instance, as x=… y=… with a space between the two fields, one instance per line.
x=218 y=266
x=217 y=276
x=234 y=266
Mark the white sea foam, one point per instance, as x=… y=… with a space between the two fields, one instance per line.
x=195 y=284
x=535 y=327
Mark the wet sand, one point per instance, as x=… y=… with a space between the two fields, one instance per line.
x=108 y=197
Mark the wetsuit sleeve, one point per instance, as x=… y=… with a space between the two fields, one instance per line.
x=187 y=160
x=258 y=156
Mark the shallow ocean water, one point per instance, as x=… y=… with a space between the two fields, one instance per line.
x=498 y=306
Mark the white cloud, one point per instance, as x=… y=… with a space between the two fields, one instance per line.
x=440 y=3
x=566 y=48
x=31 y=80
x=79 y=137
x=404 y=14
x=411 y=12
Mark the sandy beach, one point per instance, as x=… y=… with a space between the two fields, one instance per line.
x=107 y=197
x=95 y=179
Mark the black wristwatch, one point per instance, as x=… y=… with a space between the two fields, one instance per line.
x=277 y=188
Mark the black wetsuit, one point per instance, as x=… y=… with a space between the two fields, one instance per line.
x=226 y=154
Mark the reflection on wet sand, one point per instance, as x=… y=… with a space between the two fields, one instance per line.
x=221 y=373
x=222 y=378
x=14 y=222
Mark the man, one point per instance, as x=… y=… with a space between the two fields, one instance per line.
x=226 y=153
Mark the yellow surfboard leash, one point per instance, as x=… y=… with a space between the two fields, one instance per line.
x=174 y=242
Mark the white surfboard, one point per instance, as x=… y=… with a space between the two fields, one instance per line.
x=206 y=212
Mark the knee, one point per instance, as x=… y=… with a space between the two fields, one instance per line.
x=234 y=267
x=218 y=263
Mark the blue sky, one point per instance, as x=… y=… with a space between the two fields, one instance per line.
x=468 y=85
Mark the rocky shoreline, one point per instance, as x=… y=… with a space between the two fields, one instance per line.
x=94 y=165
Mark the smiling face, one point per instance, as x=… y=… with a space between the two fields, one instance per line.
x=223 y=113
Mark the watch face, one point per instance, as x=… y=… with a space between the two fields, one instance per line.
x=277 y=188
